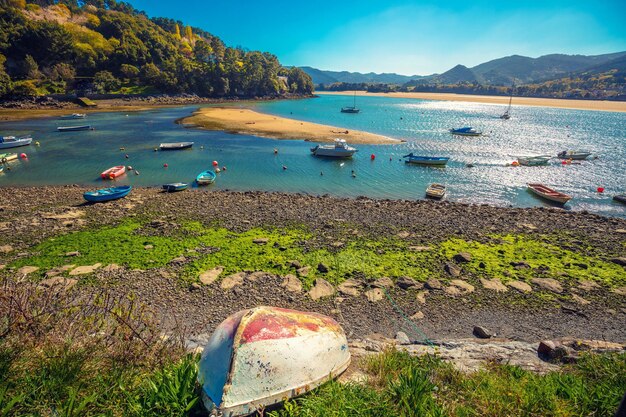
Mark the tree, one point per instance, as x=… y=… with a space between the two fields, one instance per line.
x=129 y=71
x=5 y=83
x=177 y=32
x=18 y=4
x=31 y=69
x=105 y=82
x=62 y=72
x=188 y=33
x=24 y=89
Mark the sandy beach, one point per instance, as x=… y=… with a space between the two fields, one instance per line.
x=596 y=105
x=246 y=121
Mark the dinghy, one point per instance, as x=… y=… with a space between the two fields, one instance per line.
x=74 y=116
x=548 y=193
x=533 y=161
x=265 y=355
x=7 y=157
x=466 y=131
x=176 y=186
x=7 y=142
x=575 y=155
x=175 y=146
x=107 y=194
x=621 y=198
x=113 y=172
x=426 y=160
x=206 y=177
x=436 y=191
x=74 y=128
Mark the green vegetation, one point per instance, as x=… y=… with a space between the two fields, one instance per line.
x=99 y=45
x=498 y=259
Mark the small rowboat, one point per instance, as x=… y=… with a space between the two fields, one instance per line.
x=6 y=157
x=176 y=186
x=113 y=172
x=436 y=191
x=7 y=142
x=575 y=155
x=426 y=160
x=74 y=116
x=548 y=193
x=206 y=177
x=466 y=131
x=107 y=194
x=621 y=198
x=74 y=128
x=265 y=355
x=175 y=146
x=533 y=161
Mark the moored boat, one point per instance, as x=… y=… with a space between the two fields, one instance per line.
x=466 y=131
x=548 y=193
x=74 y=128
x=533 y=161
x=621 y=198
x=175 y=186
x=7 y=157
x=436 y=191
x=74 y=116
x=351 y=109
x=206 y=177
x=574 y=154
x=7 y=142
x=107 y=194
x=340 y=149
x=175 y=146
x=426 y=160
x=265 y=355
x=113 y=172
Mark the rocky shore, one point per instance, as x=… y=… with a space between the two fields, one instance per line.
x=446 y=306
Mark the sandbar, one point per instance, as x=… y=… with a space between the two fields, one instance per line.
x=250 y=122
x=596 y=105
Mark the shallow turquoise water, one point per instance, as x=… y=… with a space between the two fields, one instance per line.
x=79 y=157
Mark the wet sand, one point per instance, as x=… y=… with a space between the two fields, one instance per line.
x=246 y=121
x=596 y=105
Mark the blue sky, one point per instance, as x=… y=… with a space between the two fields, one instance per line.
x=406 y=37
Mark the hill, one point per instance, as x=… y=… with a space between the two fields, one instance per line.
x=329 y=77
x=108 y=47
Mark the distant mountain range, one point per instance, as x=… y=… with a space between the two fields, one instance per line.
x=514 y=69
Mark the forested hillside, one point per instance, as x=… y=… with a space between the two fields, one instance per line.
x=102 y=46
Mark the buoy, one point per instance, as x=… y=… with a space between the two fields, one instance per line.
x=37 y=144
x=600 y=189
x=136 y=172
x=215 y=163
x=563 y=162
x=122 y=149
x=217 y=170
x=353 y=174
x=23 y=156
x=515 y=163
x=321 y=172
x=165 y=165
x=156 y=149
x=126 y=156
x=372 y=157
x=130 y=168
x=202 y=147
x=223 y=168
x=275 y=151
x=284 y=167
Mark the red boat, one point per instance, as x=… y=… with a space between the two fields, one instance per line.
x=113 y=172
x=549 y=194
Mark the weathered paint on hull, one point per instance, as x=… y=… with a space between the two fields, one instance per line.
x=263 y=356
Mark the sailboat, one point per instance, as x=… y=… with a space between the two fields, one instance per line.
x=351 y=109
x=507 y=113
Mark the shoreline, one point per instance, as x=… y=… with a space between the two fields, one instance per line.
x=592 y=105
x=250 y=122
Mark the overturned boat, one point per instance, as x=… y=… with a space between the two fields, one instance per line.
x=265 y=355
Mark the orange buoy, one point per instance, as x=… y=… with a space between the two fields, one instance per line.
x=372 y=157
x=215 y=163
x=600 y=189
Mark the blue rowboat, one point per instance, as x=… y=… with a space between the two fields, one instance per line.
x=206 y=177
x=426 y=160
x=176 y=186
x=107 y=194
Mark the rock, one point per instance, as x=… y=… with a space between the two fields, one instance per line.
x=587 y=285
x=6 y=248
x=402 y=338
x=258 y=276
x=384 y=282
x=295 y=264
x=53 y=273
x=260 y=240
x=148 y=247
x=464 y=286
x=433 y=284
x=233 y=280
x=421 y=297
x=178 y=260
x=520 y=286
x=2 y=266
x=403 y=234
x=374 y=295
x=337 y=244
x=25 y=270
x=520 y=265
x=417 y=316
x=452 y=269
x=579 y=300
x=210 y=276
x=463 y=257
x=292 y=284
x=529 y=226
x=111 y=268
x=494 y=284
x=545 y=349
x=74 y=253
x=405 y=283
x=322 y=268
x=86 y=269
x=620 y=261
x=63 y=283
x=482 y=332
x=322 y=288
x=621 y=231
x=619 y=290
x=349 y=287
x=304 y=271
x=452 y=291
x=166 y=274
x=195 y=286
x=420 y=248
x=548 y=284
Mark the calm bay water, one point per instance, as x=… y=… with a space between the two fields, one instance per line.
x=79 y=157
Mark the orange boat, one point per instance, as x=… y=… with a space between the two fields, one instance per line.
x=113 y=172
